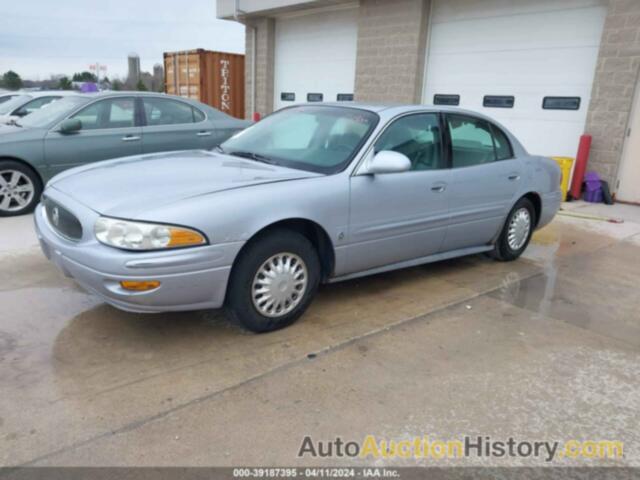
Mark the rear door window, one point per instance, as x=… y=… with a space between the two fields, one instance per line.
x=162 y=111
x=471 y=141
x=503 y=146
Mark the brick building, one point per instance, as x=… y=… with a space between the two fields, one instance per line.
x=549 y=70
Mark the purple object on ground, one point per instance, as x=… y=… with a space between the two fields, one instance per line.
x=592 y=188
x=88 y=87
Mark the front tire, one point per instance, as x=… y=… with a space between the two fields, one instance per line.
x=273 y=281
x=20 y=188
x=516 y=233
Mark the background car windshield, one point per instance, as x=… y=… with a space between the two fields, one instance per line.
x=15 y=102
x=45 y=116
x=319 y=139
x=6 y=98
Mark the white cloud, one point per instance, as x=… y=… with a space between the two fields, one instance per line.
x=37 y=40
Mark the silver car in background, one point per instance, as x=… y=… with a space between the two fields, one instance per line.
x=25 y=103
x=311 y=194
x=85 y=128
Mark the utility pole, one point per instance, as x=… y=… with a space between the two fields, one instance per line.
x=96 y=67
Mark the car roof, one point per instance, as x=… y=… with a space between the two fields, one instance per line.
x=43 y=93
x=392 y=107
x=114 y=93
x=388 y=110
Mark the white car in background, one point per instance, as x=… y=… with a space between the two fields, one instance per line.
x=6 y=95
x=20 y=104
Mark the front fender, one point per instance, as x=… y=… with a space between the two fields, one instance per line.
x=237 y=215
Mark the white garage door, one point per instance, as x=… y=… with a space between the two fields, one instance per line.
x=315 y=57
x=506 y=52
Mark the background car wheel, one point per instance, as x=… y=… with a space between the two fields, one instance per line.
x=273 y=281
x=20 y=188
x=517 y=231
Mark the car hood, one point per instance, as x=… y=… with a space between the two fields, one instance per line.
x=127 y=187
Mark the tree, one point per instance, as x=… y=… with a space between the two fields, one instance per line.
x=64 y=83
x=85 y=77
x=141 y=87
x=117 y=85
x=11 y=80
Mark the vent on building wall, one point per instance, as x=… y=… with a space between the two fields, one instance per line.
x=498 y=101
x=345 y=97
x=446 y=99
x=314 y=97
x=288 y=96
x=561 y=103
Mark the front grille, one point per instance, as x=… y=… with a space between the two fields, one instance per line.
x=62 y=220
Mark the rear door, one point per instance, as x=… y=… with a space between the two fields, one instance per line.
x=485 y=179
x=173 y=125
x=396 y=217
x=109 y=130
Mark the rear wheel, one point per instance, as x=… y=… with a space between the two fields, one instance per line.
x=20 y=188
x=517 y=231
x=273 y=281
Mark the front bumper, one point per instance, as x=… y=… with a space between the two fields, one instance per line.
x=191 y=279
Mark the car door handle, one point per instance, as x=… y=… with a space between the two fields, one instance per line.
x=203 y=134
x=130 y=138
x=438 y=188
x=514 y=177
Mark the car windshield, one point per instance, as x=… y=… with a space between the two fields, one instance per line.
x=15 y=102
x=51 y=112
x=5 y=98
x=316 y=138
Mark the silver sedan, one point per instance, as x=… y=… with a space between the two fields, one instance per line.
x=311 y=194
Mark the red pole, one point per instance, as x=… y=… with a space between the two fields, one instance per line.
x=581 y=166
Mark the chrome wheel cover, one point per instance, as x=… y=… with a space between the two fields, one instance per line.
x=519 y=228
x=279 y=285
x=16 y=190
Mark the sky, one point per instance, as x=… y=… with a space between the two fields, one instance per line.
x=39 y=38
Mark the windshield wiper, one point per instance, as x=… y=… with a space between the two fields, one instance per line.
x=253 y=156
x=219 y=149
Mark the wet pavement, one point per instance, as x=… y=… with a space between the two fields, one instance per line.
x=544 y=347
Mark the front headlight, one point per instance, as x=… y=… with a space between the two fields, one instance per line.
x=145 y=236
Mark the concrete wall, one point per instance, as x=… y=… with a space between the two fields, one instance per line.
x=391 y=50
x=613 y=87
x=264 y=29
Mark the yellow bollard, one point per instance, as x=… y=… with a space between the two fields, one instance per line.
x=565 y=164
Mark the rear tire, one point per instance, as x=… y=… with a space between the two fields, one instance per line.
x=273 y=281
x=20 y=188
x=516 y=233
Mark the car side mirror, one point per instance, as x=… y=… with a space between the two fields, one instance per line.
x=71 y=125
x=388 y=161
x=21 y=113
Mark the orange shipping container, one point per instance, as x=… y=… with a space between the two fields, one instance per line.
x=214 y=78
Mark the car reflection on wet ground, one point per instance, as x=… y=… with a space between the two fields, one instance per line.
x=544 y=347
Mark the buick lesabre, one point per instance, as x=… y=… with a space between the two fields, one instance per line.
x=311 y=194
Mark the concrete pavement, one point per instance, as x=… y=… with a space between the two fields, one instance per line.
x=544 y=347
